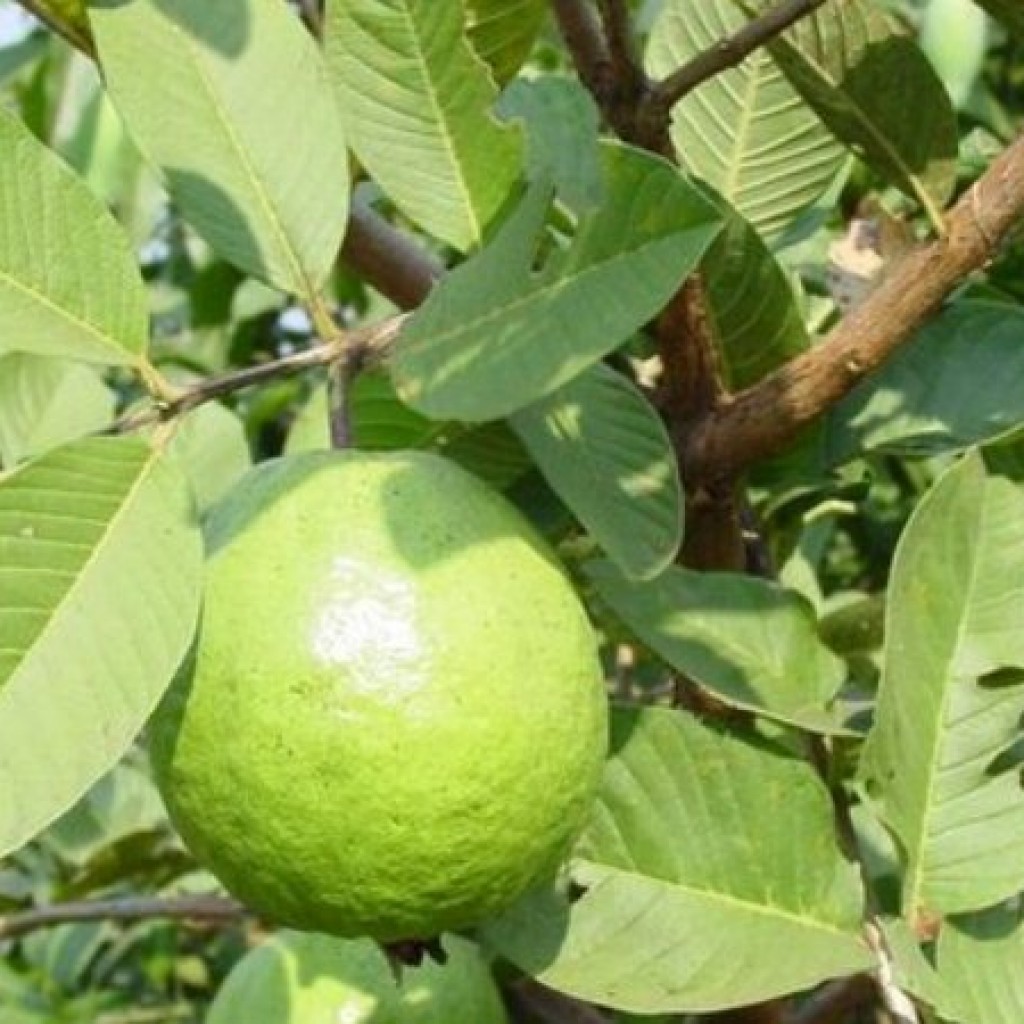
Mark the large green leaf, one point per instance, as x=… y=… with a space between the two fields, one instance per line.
x=877 y=92
x=749 y=641
x=751 y=305
x=745 y=131
x=503 y=32
x=45 y=402
x=606 y=454
x=926 y=399
x=416 y=102
x=211 y=446
x=1009 y=12
x=952 y=694
x=981 y=963
x=495 y=334
x=232 y=101
x=69 y=284
x=298 y=978
x=712 y=878
x=100 y=559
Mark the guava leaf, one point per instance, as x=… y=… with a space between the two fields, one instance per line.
x=496 y=334
x=213 y=451
x=46 y=402
x=752 y=643
x=503 y=32
x=562 y=136
x=233 y=103
x=69 y=284
x=606 y=454
x=700 y=842
x=300 y=978
x=847 y=61
x=751 y=305
x=926 y=399
x=100 y=562
x=952 y=694
x=746 y=132
x=417 y=106
x=981 y=964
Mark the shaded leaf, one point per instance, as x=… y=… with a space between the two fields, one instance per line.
x=847 y=61
x=952 y=694
x=99 y=591
x=297 y=978
x=749 y=641
x=745 y=131
x=45 y=402
x=232 y=102
x=927 y=399
x=69 y=285
x=214 y=453
x=503 y=32
x=416 y=102
x=1007 y=12
x=606 y=454
x=981 y=964
x=562 y=130
x=700 y=843
x=752 y=308
x=495 y=335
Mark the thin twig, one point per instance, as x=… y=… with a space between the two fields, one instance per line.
x=631 y=82
x=835 y=1001
x=193 y=908
x=729 y=52
x=768 y=417
x=371 y=342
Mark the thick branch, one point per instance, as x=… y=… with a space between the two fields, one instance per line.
x=767 y=418
x=363 y=344
x=388 y=259
x=193 y=908
x=584 y=40
x=729 y=52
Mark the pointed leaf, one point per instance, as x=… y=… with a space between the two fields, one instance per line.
x=494 y=335
x=232 y=101
x=100 y=561
x=751 y=304
x=416 y=102
x=45 y=402
x=746 y=131
x=926 y=399
x=857 y=72
x=700 y=843
x=606 y=454
x=69 y=284
x=749 y=641
x=952 y=694
x=503 y=32
x=981 y=963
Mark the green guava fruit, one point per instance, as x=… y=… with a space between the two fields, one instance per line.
x=312 y=979
x=394 y=718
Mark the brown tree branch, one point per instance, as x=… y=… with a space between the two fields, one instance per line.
x=527 y=996
x=836 y=1001
x=388 y=259
x=581 y=32
x=768 y=417
x=729 y=52
x=193 y=908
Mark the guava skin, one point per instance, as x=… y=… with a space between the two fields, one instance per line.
x=394 y=719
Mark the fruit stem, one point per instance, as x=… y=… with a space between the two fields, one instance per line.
x=342 y=374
